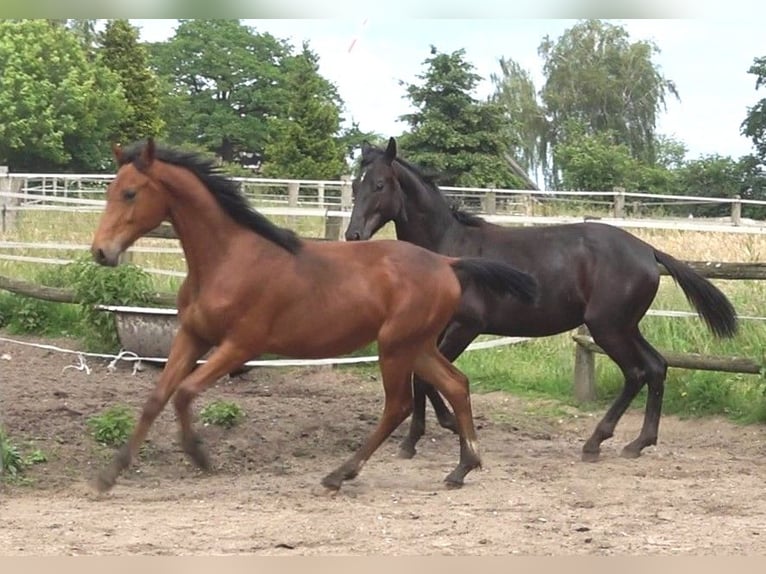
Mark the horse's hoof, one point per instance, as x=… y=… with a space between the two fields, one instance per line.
x=104 y=482
x=453 y=484
x=630 y=452
x=406 y=451
x=454 y=480
x=588 y=456
x=332 y=482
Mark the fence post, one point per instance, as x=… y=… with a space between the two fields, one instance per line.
x=292 y=201
x=333 y=225
x=529 y=205
x=619 y=202
x=490 y=202
x=8 y=185
x=584 y=371
x=736 y=210
x=320 y=194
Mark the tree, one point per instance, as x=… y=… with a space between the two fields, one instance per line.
x=452 y=133
x=225 y=81
x=527 y=125
x=754 y=125
x=57 y=108
x=596 y=76
x=711 y=176
x=303 y=142
x=593 y=162
x=122 y=54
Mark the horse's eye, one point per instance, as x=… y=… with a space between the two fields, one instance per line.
x=379 y=185
x=129 y=194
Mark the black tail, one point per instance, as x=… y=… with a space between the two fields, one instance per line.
x=711 y=305
x=498 y=277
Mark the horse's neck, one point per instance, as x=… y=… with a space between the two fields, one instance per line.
x=429 y=221
x=204 y=230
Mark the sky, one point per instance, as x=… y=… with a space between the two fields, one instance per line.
x=707 y=59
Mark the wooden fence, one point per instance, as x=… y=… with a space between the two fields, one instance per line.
x=586 y=349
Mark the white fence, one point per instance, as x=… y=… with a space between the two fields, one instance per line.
x=331 y=200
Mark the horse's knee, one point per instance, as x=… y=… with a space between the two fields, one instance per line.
x=182 y=399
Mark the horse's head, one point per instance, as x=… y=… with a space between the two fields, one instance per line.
x=378 y=195
x=135 y=204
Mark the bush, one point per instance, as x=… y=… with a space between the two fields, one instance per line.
x=113 y=426
x=11 y=462
x=94 y=284
x=222 y=413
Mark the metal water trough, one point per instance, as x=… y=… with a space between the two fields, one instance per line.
x=145 y=331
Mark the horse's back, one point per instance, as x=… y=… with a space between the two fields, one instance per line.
x=555 y=248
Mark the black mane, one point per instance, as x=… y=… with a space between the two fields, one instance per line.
x=227 y=192
x=371 y=153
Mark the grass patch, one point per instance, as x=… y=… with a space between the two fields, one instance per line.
x=224 y=414
x=113 y=426
x=13 y=462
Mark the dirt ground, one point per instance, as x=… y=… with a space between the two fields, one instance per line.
x=702 y=490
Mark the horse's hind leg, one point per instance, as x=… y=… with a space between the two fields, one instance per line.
x=453 y=384
x=655 y=373
x=184 y=352
x=396 y=371
x=223 y=360
x=455 y=340
x=624 y=347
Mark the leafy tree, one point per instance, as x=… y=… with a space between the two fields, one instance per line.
x=527 y=123
x=597 y=77
x=594 y=162
x=303 y=140
x=711 y=176
x=225 y=85
x=57 y=108
x=754 y=125
x=128 y=59
x=753 y=185
x=453 y=133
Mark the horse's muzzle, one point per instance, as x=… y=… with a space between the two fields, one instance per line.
x=104 y=257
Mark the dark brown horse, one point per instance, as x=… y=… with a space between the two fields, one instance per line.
x=255 y=288
x=588 y=273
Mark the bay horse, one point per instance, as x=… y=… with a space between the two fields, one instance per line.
x=589 y=273
x=253 y=288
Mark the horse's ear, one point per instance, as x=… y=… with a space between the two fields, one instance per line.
x=117 y=153
x=147 y=154
x=366 y=146
x=390 y=154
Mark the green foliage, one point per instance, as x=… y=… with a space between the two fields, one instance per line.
x=223 y=84
x=594 y=162
x=451 y=132
x=303 y=142
x=57 y=104
x=528 y=128
x=113 y=426
x=711 y=176
x=222 y=413
x=11 y=461
x=94 y=284
x=754 y=125
x=596 y=76
x=122 y=54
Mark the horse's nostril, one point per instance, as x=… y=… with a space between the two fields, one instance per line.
x=99 y=255
x=354 y=236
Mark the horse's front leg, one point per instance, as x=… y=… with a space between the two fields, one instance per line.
x=185 y=350
x=226 y=358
